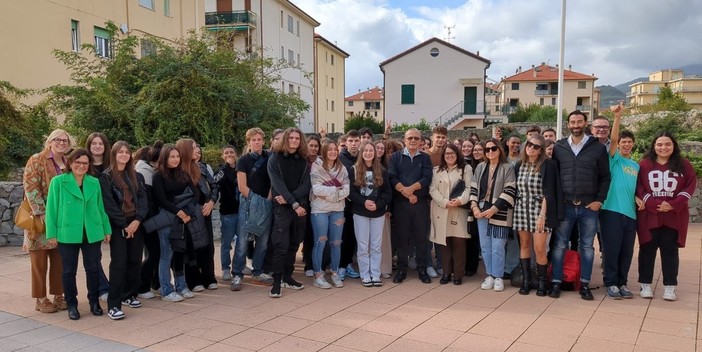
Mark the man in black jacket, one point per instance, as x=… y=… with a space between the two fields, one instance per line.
x=348 y=157
x=585 y=177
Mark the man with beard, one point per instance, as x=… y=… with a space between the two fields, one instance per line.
x=585 y=177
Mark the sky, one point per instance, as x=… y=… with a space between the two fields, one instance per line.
x=616 y=40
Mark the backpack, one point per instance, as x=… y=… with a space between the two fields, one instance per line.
x=571 y=271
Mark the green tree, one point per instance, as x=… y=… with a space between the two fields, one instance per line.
x=672 y=122
x=199 y=87
x=422 y=125
x=669 y=101
x=363 y=119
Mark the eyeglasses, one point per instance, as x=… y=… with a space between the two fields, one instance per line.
x=601 y=127
x=532 y=145
x=494 y=148
x=449 y=154
x=61 y=140
x=412 y=138
x=81 y=163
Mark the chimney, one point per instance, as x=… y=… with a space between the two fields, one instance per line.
x=570 y=67
x=532 y=66
x=520 y=68
x=556 y=65
x=534 y=72
x=543 y=63
x=477 y=53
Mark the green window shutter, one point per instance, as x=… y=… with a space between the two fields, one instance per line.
x=102 y=33
x=407 y=94
x=74 y=24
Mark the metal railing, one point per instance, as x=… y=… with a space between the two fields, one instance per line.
x=546 y=92
x=583 y=107
x=230 y=18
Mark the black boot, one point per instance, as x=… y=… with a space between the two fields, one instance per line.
x=541 y=291
x=73 y=313
x=525 y=264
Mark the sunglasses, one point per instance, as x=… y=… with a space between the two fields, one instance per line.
x=412 y=138
x=494 y=148
x=532 y=145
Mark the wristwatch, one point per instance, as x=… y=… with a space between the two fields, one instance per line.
x=295 y=205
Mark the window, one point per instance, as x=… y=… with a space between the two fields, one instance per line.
x=298 y=28
x=75 y=36
x=298 y=90
x=147 y=48
x=298 y=59
x=327 y=104
x=333 y=129
x=332 y=82
x=291 y=57
x=541 y=101
x=102 y=42
x=407 y=94
x=282 y=52
x=375 y=113
x=582 y=84
x=326 y=81
x=326 y=56
x=332 y=105
x=515 y=86
x=167 y=8
x=542 y=86
x=372 y=105
x=434 y=52
x=290 y=24
x=149 y=4
x=553 y=101
x=332 y=59
x=291 y=88
x=282 y=87
x=281 y=19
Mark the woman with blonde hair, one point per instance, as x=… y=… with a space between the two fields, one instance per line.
x=43 y=255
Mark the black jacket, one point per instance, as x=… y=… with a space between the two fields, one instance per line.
x=382 y=196
x=113 y=198
x=584 y=177
x=551 y=186
x=290 y=178
x=208 y=187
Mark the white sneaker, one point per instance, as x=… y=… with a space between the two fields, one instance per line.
x=669 y=293
x=198 y=288
x=499 y=285
x=212 y=286
x=226 y=275
x=336 y=280
x=103 y=297
x=187 y=293
x=172 y=297
x=431 y=272
x=146 y=295
x=646 y=291
x=309 y=273
x=247 y=270
x=488 y=283
x=321 y=282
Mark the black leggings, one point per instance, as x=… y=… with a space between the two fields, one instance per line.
x=665 y=239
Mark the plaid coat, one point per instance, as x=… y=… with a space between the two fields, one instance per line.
x=38 y=173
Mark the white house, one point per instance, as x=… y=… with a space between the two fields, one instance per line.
x=436 y=81
x=276 y=29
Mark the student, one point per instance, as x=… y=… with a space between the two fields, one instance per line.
x=225 y=177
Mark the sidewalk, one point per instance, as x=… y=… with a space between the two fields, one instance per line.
x=407 y=317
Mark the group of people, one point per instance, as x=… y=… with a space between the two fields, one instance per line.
x=415 y=204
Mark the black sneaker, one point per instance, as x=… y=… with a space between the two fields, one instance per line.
x=292 y=284
x=115 y=314
x=585 y=292
x=276 y=291
x=555 y=290
x=400 y=276
x=132 y=302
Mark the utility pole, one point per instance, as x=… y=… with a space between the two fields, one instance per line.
x=448 y=36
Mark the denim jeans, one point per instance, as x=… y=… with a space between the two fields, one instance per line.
x=369 y=236
x=512 y=253
x=493 y=250
x=587 y=223
x=229 y=228
x=331 y=226
x=242 y=248
x=164 y=265
x=618 y=236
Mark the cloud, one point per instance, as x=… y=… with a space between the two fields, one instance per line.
x=617 y=41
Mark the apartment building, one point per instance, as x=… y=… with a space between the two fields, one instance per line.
x=369 y=102
x=539 y=85
x=27 y=59
x=438 y=82
x=274 y=29
x=330 y=81
x=643 y=93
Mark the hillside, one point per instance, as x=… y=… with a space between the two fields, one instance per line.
x=610 y=96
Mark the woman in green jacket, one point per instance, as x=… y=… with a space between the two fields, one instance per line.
x=76 y=219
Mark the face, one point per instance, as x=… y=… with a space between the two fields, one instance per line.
x=663 y=147
x=276 y=139
x=197 y=153
x=228 y=155
x=60 y=144
x=173 y=159
x=294 y=140
x=550 y=136
x=313 y=147
x=626 y=145
x=467 y=148
x=600 y=129
x=457 y=143
x=365 y=137
x=450 y=157
x=534 y=149
x=427 y=145
x=439 y=140
x=332 y=152
x=80 y=165
x=478 y=153
x=123 y=156
x=513 y=145
x=352 y=144
x=492 y=151
x=97 y=147
x=368 y=153
x=380 y=149
x=549 y=151
x=412 y=139
x=256 y=143
x=498 y=133
x=342 y=146
x=576 y=124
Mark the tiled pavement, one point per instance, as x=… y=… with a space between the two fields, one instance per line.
x=407 y=317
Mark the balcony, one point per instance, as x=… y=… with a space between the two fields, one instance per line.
x=583 y=107
x=546 y=92
x=234 y=20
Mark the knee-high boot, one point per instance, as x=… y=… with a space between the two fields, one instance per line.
x=541 y=272
x=525 y=264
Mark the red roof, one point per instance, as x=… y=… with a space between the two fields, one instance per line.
x=548 y=73
x=371 y=94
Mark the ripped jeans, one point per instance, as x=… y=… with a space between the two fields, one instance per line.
x=327 y=227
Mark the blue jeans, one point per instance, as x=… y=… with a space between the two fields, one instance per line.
x=242 y=248
x=512 y=253
x=164 y=265
x=493 y=250
x=229 y=229
x=587 y=223
x=331 y=226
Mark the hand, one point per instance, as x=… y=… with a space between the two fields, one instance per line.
x=594 y=206
x=664 y=207
x=412 y=199
x=489 y=213
x=107 y=238
x=617 y=109
x=370 y=205
x=322 y=132
x=406 y=192
x=131 y=229
x=388 y=215
x=540 y=223
x=42 y=217
x=280 y=200
x=453 y=203
x=186 y=219
x=52 y=242
x=640 y=204
x=207 y=208
x=388 y=127
x=301 y=211
x=476 y=213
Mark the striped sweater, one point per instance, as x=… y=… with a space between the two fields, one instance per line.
x=502 y=195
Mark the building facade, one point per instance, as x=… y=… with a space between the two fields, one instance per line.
x=643 y=93
x=370 y=102
x=27 y=58
x=329 y=83
x=274 y=29
x=438 y=82
x=539 y=85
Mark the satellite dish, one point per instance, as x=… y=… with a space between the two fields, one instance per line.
x=124 y=28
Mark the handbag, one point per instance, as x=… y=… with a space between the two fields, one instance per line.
x=24 y=218
x=458 y=190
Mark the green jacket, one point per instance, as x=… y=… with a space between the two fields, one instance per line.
x=68 y=210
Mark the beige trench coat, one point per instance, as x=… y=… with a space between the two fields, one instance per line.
x=452 y=221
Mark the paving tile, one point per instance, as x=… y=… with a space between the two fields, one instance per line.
x=322 y=332
x=216 y=333
x=365 y=341
x=412 y=314
x=42 y=335
x=371 y=308
x=284 y=324
x=617 y=320
x=222 y=347
x=459 y=317
x=525 y=347
x=611 y=333
x=294 y=344
x=433 y=335
x=180 y=343
x=589 y=344
x=561 y=311
x=670 y=327
x=19 y=326
x=71 y=342
x=389 y=325
x=665 y=342
x=253 y=339
x=673 y=311
x=549 y=339
x=498 y=328
x=7 y=317
x=8 y=344
x=337 y=348
x=109 y=346
x=405 y=345
x=349 y=319
x=473 y=342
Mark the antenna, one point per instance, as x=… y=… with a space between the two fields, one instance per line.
x=448 y=30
